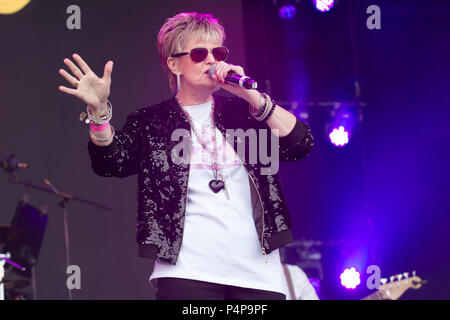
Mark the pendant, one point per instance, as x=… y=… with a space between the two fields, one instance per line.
x=216 y=185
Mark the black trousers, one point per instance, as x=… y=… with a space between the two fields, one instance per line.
x=185 y=289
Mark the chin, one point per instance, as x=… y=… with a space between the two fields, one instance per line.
x=213 y=87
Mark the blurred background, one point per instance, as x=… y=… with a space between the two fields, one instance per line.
x=374 y=191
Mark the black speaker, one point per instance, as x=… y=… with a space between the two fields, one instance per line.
x=31 y=223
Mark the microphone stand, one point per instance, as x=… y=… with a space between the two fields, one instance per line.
x=63 y=204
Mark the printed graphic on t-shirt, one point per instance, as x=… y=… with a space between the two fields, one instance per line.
x=201 y=159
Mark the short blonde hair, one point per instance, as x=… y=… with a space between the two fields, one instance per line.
x=179 y=29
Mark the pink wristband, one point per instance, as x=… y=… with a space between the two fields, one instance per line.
x=99 y=128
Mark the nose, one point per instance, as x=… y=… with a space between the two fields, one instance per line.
x=210 y=58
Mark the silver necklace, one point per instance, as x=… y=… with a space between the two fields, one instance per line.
x=218 y=183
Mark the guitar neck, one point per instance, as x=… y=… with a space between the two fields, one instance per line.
x=395 y=289
x=374 y=296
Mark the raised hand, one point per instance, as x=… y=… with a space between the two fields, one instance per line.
x=89 y=87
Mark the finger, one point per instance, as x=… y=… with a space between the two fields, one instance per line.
x=214 y=75
x=237 y=69
x=227 y=67
x=225 y=70
x=72 y=92
x=73 y=68
x=219 y=72
x=72 y=80
x=108 y=70
x=82 y=64
x=240 y=70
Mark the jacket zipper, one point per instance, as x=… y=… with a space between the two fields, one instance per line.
x=185 y=207
x=187 y=186
x=262 y=207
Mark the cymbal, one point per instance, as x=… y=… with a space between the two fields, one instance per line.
x=8 y=233
x=16 y=283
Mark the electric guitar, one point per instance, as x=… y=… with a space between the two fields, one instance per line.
x=395 y=289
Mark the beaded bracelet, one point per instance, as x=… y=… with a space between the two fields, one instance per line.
x=267 y=107
x=262 y=107
x=88 y=117
x=252 y=110
x=102 y=119
x=271 y=110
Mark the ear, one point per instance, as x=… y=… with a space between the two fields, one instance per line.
x=173 y=65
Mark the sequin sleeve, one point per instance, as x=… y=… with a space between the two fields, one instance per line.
x=121 y=158
x=297 y=144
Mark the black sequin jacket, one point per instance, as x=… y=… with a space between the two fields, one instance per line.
x=144 y=147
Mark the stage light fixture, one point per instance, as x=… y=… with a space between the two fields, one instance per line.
x=287 y=9
x=341 y=124
x=350 y=278
x=339 y=136
x=323 y=5
x=287 y=12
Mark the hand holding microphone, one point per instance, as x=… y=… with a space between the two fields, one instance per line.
x=234 y=77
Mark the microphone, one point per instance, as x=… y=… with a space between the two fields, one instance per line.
x=10 y=163
x=236 y=79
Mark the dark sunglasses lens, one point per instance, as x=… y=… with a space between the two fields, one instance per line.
x=220 y=53
x=199 y=54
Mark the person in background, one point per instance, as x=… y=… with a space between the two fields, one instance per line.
x=299 y=287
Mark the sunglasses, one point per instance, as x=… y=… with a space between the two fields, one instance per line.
x=199 y=54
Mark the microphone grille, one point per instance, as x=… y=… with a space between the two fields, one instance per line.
x=212 y=70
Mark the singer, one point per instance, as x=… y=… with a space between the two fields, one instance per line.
x=213 y=227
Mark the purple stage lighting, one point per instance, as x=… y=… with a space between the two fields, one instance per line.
x=287 y=12
x=315 y=282
x=350 y=278
x=324 y=5
x=339 y=136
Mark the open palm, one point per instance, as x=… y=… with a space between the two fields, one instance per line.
x=89 y=87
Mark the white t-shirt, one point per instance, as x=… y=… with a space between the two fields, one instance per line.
x=220 y=243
